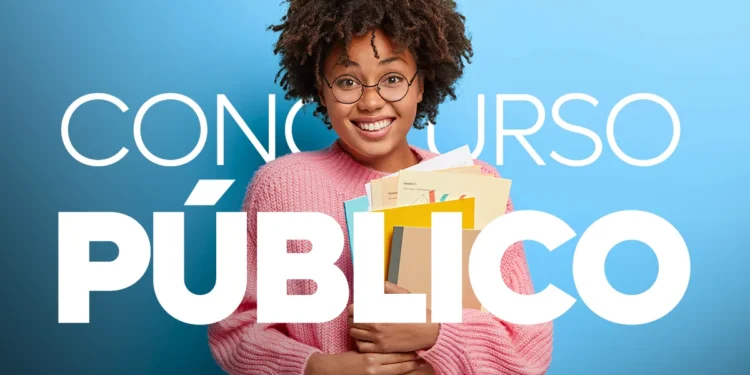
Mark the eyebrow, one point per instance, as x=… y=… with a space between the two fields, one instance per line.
x=381 y=63
x=390 y=60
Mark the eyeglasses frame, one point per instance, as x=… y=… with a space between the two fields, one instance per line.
x=362 y=91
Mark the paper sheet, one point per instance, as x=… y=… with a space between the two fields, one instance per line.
x=491 y=193
x=459 y=157
x=385 y=190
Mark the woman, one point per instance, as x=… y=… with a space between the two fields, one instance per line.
x=375 y=70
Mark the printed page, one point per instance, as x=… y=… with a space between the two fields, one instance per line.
x=459 y=157
x=491 y=193
x=385 y=190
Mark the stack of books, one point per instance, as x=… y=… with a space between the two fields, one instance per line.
x=450 y=182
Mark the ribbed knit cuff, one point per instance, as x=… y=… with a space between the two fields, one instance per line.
x=286 y=357
x=448 y=351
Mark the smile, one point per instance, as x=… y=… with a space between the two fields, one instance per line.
x=374 y=126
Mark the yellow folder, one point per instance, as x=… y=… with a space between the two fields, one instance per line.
x=420 y=215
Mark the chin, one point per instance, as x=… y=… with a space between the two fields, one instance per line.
x=374 y=151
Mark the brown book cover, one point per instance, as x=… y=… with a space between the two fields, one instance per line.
x=410 y=265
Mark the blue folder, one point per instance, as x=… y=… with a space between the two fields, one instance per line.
x=361 y=204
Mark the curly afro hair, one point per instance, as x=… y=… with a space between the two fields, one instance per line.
x=432 y=30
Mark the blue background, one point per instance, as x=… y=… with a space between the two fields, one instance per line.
x=694 y=54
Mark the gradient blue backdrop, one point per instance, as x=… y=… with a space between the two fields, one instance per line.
x=694 y=54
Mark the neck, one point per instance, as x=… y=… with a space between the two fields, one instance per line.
x=400 y=158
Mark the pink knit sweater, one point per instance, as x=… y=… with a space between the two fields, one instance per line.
x=321 y=181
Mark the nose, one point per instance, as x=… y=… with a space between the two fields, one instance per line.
x=370 y=100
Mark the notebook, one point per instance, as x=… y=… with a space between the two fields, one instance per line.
x=421 y=216
x=410 y=264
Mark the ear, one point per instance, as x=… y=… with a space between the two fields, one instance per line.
x=420 y=88
x=321 y=95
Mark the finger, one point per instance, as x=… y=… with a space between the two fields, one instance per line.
x=361 y=334
x=397 y=368
x=367 y=347
x=350 y=309
x=390 y=358
x=391 y=288
x=362 y=326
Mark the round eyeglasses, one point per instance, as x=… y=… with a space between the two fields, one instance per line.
x=392 y=87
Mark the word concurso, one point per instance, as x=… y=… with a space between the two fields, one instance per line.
x=223 y=105
x=78 y=276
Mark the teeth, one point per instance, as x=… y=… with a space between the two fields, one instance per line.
x=373 y=126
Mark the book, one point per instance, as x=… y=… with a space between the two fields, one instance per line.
x=420 y=215
x=410 y=263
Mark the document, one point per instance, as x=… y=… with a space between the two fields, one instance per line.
x=459 y=157
x=491 y=193
x=385 y=190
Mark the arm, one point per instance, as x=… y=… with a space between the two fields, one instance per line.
x=239 y=344
x=484 y=344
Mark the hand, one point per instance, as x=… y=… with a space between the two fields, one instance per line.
x=353 y=363
x=424 y=370
x=392 y=337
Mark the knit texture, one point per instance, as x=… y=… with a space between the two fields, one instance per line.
x=320 y=181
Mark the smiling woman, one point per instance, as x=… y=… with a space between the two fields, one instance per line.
x=375 y=69
x=372 y=120
x=359 y=50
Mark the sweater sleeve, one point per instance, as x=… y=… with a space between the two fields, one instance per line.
x=484 y=344
x=238 y=343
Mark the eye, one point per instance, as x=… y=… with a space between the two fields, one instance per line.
x=392 y=80
x=347 y=83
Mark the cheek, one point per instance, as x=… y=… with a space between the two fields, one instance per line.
x=332 y=106
x=338 y=113
x=406 y=108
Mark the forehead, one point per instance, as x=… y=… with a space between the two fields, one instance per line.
x=362 y=54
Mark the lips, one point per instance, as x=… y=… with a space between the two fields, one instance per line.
x=374 y=124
